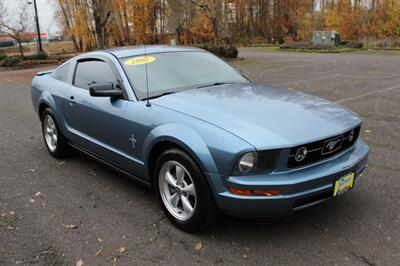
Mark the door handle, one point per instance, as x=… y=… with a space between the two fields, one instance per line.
x=71 y=100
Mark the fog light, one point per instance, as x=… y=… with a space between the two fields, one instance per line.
x=254 y=192
x=246 y=162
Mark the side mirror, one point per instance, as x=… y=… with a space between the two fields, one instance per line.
x=105 y=89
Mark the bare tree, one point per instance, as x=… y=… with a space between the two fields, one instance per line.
x=16 y=26
x=2 y=14
x=67 y=21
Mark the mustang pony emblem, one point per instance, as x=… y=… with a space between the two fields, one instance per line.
x=133 y=141
x=332 y=145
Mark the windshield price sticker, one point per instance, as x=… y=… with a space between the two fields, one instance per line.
x=139 y=60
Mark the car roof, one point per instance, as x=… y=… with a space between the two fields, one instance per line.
x=127 y=51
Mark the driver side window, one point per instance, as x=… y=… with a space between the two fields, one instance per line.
x=95 y=71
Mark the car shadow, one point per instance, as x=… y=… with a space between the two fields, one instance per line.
x=324 y=217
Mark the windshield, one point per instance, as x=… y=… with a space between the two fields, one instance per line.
x=177 y=71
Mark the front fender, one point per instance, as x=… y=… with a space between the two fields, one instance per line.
x=184 y=137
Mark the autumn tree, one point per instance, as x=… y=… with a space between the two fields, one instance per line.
x=103 y=23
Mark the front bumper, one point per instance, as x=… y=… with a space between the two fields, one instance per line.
x=300 y=188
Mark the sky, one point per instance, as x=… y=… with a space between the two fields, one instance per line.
x=46 y=13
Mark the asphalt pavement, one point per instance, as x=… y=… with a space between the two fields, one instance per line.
x=60 y=212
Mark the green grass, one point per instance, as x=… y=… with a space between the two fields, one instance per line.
x=339 y=50
x=327 y=51
x=334 y=51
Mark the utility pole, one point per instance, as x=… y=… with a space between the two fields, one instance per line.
x=39 y=38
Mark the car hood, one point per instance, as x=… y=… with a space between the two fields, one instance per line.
x=265 y=117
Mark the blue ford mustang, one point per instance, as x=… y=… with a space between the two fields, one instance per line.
x=204 y=136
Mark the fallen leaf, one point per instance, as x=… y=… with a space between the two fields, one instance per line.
x=98 y=253
x=199 y=245
x=80 y=263
x=39 y=194
x=121 y=250
x=31 y=200
x=70 y=226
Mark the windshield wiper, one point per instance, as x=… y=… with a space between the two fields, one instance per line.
x=157 y=96
x=214 y=84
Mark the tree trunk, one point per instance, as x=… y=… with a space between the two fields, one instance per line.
x=214 y=23
x=101 y=14
x=67 y=23
x=178 y=32
x=21 y=49
x=126 y=26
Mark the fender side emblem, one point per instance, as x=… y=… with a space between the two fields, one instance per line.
x=133 y=141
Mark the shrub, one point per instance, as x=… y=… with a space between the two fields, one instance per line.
x=2 y=55
x=307 y=46
x=231 y=52
x=353 y=44
x=41 y=55
x=257 y=40
x=224 y=51
x=296 y=45
x=31 y=63
x=11 y=61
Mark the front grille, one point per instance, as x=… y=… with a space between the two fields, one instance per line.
x=322 y=149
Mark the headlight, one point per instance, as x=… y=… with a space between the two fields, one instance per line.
x=246 y=162
x=256 y=162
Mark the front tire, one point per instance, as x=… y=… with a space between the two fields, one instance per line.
x=183 y=191
x=55 y=142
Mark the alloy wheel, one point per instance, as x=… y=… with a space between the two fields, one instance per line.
x=50 y=133
x=177 y=190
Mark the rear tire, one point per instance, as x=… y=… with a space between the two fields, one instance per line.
x=183 y=191
x=55 y=142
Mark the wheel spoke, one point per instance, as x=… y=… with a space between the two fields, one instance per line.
x=52 y=141
x=50 y=122
x=186 y=205
x=174 y=199
x=180 y=173
x=189 y=189
x=170 y=179
x=54 y=138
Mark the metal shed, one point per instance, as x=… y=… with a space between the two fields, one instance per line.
x=326 y=37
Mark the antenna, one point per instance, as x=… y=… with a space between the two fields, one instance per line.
x=147 y=76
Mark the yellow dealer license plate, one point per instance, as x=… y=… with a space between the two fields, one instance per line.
x=344 y=184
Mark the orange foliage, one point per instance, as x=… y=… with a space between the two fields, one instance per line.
x=199 y=21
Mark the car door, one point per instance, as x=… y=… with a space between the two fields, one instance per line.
x=96 y=123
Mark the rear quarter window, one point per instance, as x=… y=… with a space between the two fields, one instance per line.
x=62 y=72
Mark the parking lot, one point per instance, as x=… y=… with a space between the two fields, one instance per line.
x=62 y=211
